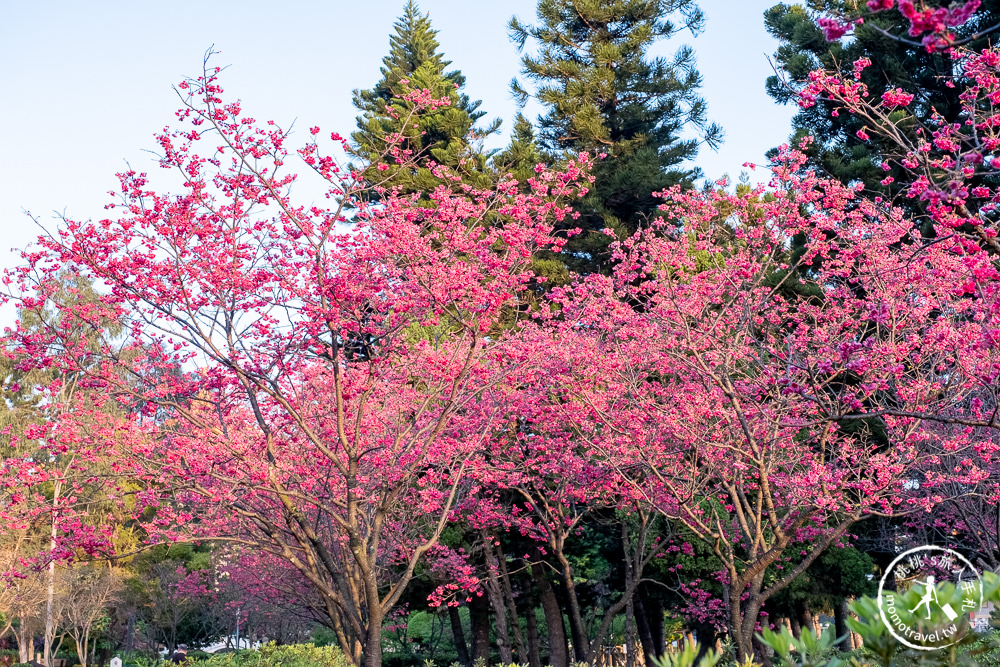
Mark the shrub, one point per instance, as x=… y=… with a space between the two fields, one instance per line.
x=272 y=655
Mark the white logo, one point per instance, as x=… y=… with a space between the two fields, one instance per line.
x=924 y=619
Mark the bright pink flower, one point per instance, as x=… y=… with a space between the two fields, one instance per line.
x=833 y=29
x=896 y=98
x=880 y=5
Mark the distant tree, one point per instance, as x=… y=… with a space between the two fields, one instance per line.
x=836 y=576
x=433 y=135
x=602 y=92
x=49 y=502
x=22 y=598
x=88 y=592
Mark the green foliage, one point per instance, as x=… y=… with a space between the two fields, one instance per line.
x=884 y=649
x=163 y=615
x=140 y=660
x=806 y=651
x=323 y=636
x=688 y=657
x=603 y=93
x=445 y=136
x=522 y=154
x=424 y=634
x=273 y=655
x=836 y=574
x=986 y=649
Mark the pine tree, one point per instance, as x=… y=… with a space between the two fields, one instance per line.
x=902 y=63
x=603 y=93
x=523 y=152
x=446 y=135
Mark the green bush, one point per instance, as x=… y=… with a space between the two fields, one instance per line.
x=142 y=660
x=323 y=636
x=272 y=655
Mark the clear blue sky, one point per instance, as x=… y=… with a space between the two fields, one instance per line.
x=86 y=84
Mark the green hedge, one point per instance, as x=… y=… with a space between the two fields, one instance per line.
x=272 y=655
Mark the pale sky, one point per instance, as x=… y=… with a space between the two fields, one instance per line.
x=87 y=84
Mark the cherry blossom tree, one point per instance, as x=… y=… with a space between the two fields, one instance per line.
x=555 y=481
x=953 y=170
x=310 y=382
x=953 y=164
x=777 y=393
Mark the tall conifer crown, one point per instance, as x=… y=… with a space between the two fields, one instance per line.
x=602 y=92
x=446 y=136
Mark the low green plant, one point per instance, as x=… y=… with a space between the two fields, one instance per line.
x=140 y=660
x=986 y=648
x=273 y=655
x=688 y=657
x=808 y=650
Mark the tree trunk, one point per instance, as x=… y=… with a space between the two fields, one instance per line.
x=373 y=640
x=743 y=616
x=630 y=637
x=630 y=576
x=761 y=652
x=654 y=616
x=500 y=623
x=458 y=636
x=25 y=642
x=840 y=612
x=348 y=644
x=805 y=617
x=515 y=620
x=50 y=621
x=707 y=638
x=645 y=636
x=82 y=650
x=495 y=594
x=558 y=652
x=479 y=615
x=534 y=655
x=373 y=653
x=576 y=627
